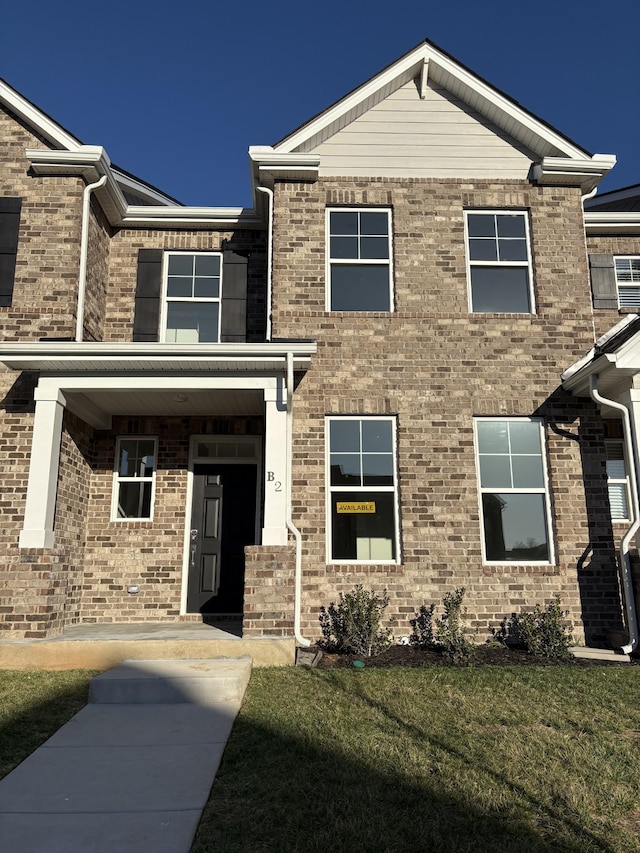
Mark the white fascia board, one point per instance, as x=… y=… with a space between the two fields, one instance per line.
x=138 y=216
x=36 y=119
x=611 y=222
x=602 y=340
x=561 y=171
x=415 y=61
x=268 y=164
x=142 y=189
x=101 y=357
x=577 y=382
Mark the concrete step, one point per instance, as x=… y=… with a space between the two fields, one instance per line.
x=599 y=654
x=172 y=681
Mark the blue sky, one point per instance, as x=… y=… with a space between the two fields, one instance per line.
x=176 y=92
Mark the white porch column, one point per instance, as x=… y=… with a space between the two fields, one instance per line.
x=274 y=531
x=42 y=487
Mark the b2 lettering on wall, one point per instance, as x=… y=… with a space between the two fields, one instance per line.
x=271 y=478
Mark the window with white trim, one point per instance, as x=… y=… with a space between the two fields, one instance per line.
x=362 y=494
x=499 y=262
x=514 y=498
x=134 y=478
x=359 y=275
x=192 y=288
x=617 y=471
x=628 y=281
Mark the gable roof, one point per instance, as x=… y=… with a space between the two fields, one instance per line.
x=559 y=160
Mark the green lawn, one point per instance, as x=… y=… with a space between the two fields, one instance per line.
x=33 y=705
x=478 y=759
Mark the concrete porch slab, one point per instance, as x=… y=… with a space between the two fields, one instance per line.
x=101 y=646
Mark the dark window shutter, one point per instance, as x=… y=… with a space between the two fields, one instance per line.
x=603 y=281
x=234 y=298
x=146 y=318
x=9 y=227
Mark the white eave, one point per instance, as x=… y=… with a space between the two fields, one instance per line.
x=613 y=368
x=268 y=165
x=139 y=358
x=584 y=172
x=612 y=222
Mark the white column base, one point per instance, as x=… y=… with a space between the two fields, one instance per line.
x=274 y=536
x=36 y=539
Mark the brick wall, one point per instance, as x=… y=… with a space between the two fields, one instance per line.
x=269 y=591
x=435 y=367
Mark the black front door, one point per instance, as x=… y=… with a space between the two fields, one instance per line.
x=223 y=521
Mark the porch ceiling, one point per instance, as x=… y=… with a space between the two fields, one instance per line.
x=167 y=403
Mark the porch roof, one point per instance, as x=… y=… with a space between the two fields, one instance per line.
x=614 y=359
x=99 y=357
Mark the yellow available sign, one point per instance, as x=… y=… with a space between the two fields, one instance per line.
x=361 y=506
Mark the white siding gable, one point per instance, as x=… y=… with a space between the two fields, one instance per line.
x=435 y=137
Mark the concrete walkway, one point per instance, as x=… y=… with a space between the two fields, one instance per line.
x=132 y=771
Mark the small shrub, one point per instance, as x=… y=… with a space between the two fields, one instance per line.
x=353 y=625
x=450 y=630
x=422 y=636
x=543 y=631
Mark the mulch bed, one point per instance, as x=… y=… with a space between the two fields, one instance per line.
x=491 y=654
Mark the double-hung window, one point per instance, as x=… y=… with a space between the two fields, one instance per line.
x=617 y=474
x=628 y=281
x=134 y=478
x=513 y=490
x=359 y=272
x=193 y=287
x=499 y=261
x=362 y=499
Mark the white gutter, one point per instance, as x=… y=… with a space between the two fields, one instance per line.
x=625 y=560
x=297 y=601
x=84 y=243
x=269 y=256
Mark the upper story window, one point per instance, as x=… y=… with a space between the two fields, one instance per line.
x=193 y=285
x=499 y=262
x=359 y=271
x=362 y=496
x=628 y=281
x=134 y=478
x=513 y=490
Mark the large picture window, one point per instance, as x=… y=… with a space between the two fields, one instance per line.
x=193 y=285
x=359 y=260
x=513 y=491
x=500 y=275
x=134 y=478
x=362 y=490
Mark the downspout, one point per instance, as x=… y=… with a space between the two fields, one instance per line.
x=297 y=600
x=625 y=560
x=584 y=198
x=269 y=256
x=84 y=243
